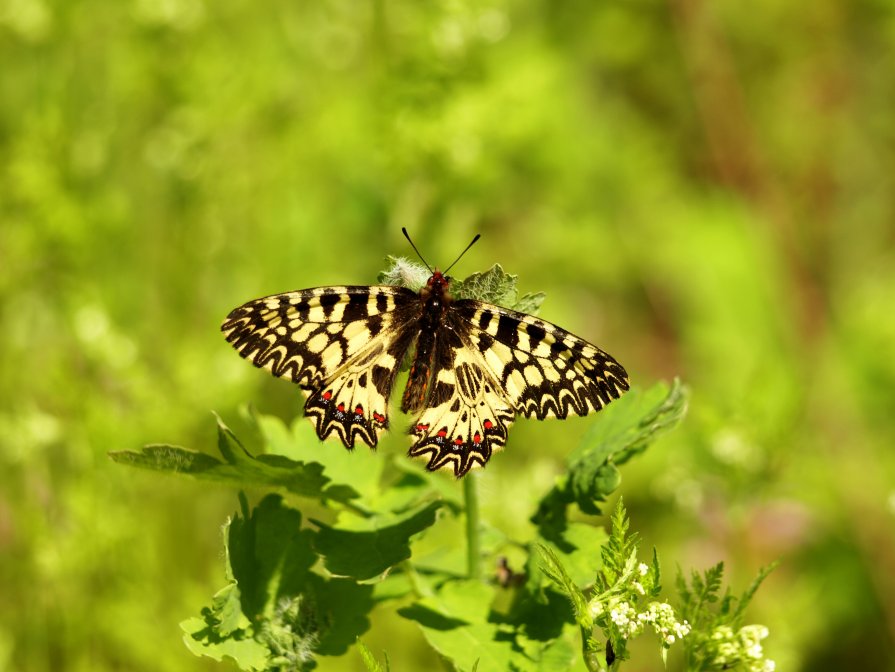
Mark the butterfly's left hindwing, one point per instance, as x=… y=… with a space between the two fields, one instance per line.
x=342 y=345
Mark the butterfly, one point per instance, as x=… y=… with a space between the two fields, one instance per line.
x=474 y=368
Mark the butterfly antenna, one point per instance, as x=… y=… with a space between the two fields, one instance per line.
x=407 y=236
x=477 y=236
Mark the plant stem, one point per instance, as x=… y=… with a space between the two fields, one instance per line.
x=473 y=546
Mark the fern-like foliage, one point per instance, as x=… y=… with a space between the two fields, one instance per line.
x=620 y=552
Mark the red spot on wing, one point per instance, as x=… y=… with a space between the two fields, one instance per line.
x=378 y=417
x=488 y=424
x=442 y=432
x=422 y=428
x=328 y=395
x=458 y=441
x=359 y=410
x=341 y=408
x=477 y=438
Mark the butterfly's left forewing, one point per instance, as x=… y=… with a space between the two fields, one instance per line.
x=342 y=345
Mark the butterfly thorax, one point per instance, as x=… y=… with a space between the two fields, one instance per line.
x=434 y=302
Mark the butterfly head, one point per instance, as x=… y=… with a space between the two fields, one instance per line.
x=437 y=284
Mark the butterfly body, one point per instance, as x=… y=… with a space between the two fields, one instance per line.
x=434 y=302
x=475 y=366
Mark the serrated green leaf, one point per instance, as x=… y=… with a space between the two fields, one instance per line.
x=342 y=609
x=239 y=468
x=275 y=601
x=626 y=428
x=226 y=605
x=163 y=457
x=370 y=660
x=630 y=424
x=530 y=303
x=354 y=472
x=493 y=286
x=554 y=570
x=580 y=551
x=247 y=653
x=365 y=554
x=749 y=593
x=619 y=553
x=270 y=555
x=455 y=623
x=654 y=576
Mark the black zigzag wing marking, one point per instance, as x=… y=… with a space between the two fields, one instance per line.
x=466 y=414
x=308 y=335
x=544 y=370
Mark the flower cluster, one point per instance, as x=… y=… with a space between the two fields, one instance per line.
x=661 y=616
x=630 y=623
x=743 y=646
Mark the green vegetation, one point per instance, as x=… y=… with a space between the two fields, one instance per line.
x=703 y=189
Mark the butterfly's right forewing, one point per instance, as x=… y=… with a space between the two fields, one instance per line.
x=343 y=345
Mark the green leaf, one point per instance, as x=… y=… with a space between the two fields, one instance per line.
x=370 y=660
x=239 y=468
x=455 y=623
x=749 y=593
x=342 y=610
x=580 y=551
x=498 y=287
x=529 y=303
x=654 y=576
x=275 y=601
x=631 y=423
x=226 y=606
x=356 y=472
x=554 y=570
x=699 y=594
x=247 y=653
x=620 y=548
x=365 y=554
x=625 y=428
x=494 y=286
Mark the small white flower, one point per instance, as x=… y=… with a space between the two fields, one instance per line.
x=619 y=614
x=594 y=609
x=639 y=588
x=643 y=569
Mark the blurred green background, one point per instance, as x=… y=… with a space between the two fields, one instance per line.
x=705 y=189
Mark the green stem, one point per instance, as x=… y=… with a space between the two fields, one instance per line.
x=593 y=657
x=473 y=545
